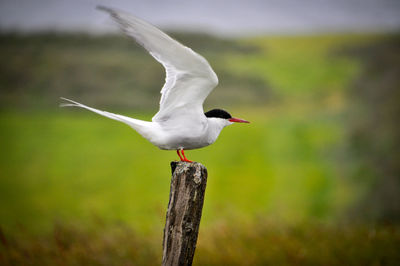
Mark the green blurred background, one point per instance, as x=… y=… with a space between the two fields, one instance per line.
x=313 y=180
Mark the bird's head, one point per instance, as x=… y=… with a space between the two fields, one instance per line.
x=223 y=117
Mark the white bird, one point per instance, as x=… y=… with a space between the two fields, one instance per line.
x=181 y=123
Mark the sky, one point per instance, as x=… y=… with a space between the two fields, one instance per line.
x=225 y=17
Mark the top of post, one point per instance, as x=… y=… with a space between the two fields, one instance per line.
x=186 y=165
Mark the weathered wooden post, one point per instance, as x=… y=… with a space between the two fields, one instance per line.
x=188 y=185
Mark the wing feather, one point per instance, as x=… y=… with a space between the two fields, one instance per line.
x=189 y=77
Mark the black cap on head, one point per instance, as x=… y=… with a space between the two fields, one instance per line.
x=218 y=113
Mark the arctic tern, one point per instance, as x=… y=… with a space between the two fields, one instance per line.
x=180 y=124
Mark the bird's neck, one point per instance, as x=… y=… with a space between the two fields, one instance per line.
x=215 y=126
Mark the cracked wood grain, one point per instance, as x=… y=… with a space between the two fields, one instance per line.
x=188 y=185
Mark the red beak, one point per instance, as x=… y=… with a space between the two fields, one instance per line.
x=237 y=120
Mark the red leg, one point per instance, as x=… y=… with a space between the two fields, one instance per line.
x=177 y=151
x=184 y=157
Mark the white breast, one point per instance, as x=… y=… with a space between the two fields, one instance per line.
x=173 y=135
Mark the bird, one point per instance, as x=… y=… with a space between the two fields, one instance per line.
x=180 y=123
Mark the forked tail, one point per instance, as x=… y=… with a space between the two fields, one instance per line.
x=134 y=123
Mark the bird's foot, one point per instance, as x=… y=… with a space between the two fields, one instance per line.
x=183 y=157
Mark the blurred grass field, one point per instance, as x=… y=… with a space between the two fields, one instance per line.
x=77 y=166
x=289 y=170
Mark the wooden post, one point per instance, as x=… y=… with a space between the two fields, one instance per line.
x=188 y=185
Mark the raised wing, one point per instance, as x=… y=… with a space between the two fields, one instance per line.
x=189 y=77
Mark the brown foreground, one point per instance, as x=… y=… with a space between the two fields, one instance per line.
x=258 y=244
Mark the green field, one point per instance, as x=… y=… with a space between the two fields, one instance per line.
x=81 y=165
x=94 y=183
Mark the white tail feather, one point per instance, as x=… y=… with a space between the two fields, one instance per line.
x=134 y=123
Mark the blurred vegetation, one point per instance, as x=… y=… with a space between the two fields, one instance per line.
x=107 y=70
x=375 y=129
x=259 y=243
x=314 y=179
